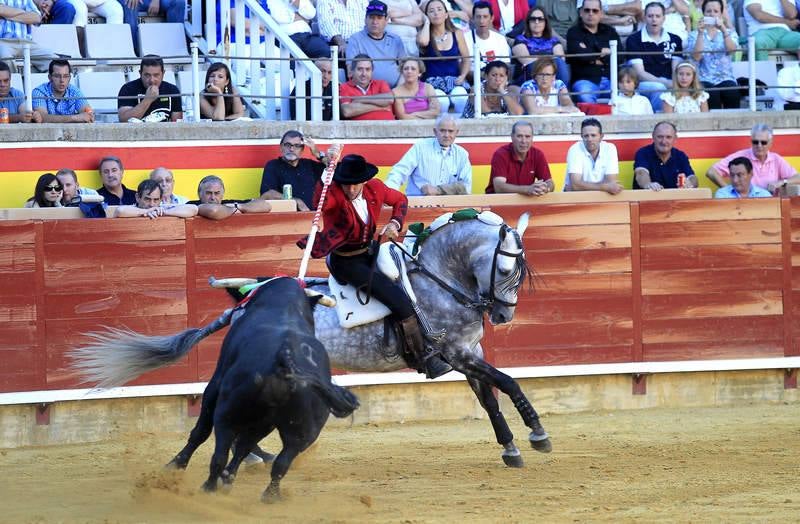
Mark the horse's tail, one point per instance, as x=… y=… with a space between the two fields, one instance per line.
x=117 y=356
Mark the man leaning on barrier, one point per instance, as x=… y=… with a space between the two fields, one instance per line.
x=211 y=202
x=741 y=186
x=660 y=165
x=149 y=98
x=519 y=167
x=57 y=100
x=14 y=100
x=303 y=174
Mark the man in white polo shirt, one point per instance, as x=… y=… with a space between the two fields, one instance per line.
x=592 y=164
x=772 y=23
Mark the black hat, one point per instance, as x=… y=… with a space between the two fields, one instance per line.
x=376 y=7
x=353 y=169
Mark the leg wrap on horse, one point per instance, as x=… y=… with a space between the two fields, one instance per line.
x=526 y=411
x=428 y=359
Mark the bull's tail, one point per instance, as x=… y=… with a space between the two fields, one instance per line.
x=117 y=356
x=340 y=401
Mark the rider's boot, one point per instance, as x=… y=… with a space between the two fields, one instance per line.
x=430 y=359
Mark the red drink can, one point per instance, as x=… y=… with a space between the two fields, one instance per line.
x=681 y=180
x=4 y=118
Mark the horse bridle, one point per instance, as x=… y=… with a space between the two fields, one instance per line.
x=485 y=301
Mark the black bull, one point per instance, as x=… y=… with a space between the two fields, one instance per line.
x=272 y=373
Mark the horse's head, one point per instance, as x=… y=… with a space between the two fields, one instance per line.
x=500 y=270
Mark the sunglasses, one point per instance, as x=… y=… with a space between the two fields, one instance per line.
x=760 y=142
x=287 y=145
x=590 y=10
x=536 y=19
x=54 y=188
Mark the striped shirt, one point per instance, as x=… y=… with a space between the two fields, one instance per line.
x=427 y=163
x=71 y=104
x=336 y=18
x=12 y=30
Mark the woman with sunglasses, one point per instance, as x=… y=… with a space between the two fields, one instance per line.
x=47 y=193
x=538 y=40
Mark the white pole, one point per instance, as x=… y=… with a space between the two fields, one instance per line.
x=614 y=66
x=195 y=82
x=751 y=63
x=476 y=80
x=335 y=81
x=26 y=70
x=327 y=178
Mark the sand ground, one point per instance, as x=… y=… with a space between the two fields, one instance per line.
x=661 y=465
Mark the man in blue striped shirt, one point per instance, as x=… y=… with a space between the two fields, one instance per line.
x=435 y=166
x=57 y=100
x=15 y=17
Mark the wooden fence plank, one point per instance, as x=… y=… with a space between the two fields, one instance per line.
x=712 y=350
x=105 y=230
x=525 y=356
x=662 y=212
x=548 y=215
x=579 y=237
x=712 y=257
x=152 y=302
x=711 y=233
x=533 y=309
x=741 y=329
x=588 y=285
x=17 y=232
x=617 y=332
x=16 y=256
x=611 y=260
x=711 y=305
x=710 y=281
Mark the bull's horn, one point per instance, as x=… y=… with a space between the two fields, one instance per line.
x=522 y=223
x=325 y=300
x=230 y=282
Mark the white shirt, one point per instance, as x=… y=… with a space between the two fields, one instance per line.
x=579 y=160
x=631 y=105
x=506 y=15
x=772 y=7
x=427 y=163
x=495 y=47
x=789 y=80
x=283 y=12
x=360 y=205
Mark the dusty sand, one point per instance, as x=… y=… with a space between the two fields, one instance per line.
x=664 y=465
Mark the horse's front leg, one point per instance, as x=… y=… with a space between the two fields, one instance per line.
x=474 y=367
x=511 y=455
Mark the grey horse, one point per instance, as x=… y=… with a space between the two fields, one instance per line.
x=465 y=270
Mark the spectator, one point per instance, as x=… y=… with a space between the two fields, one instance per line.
x=740 y=170
x=220 y=99
x=711 y=46
x=14 y=99
x=789 y=90
x=294 y=17
x=385 y=49
x=659 y=52
x=174 y=10
x=110 y=10
x=166 y=180
x=489 y=43
x=496 y=97
x=628 y=101
x=660 y=164
x=114 y=191
x=622 y=15
x=413 y=98
x=686 y=96
x=57 y=11
x=149 y=97
x=434 y=166
x=15 y=18
x=212 y=204
x=510 y=14
x=592 y=163
x=459 y=13
x=302 y=174
x=339 y=20
x=47 y=193
x=57 y=101
x=363 y=98
x=73 y=192
x=325 y=66
x=561 y=15
x=149 y=204
x=438 y=38
x=770 y=170
x=536 y=40
x=519 y=167
x=405 y=18
x=696 y=14
x=590 y=74
x=772 y=23
x=546 y=94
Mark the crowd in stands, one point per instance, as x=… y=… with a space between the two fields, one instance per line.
x=433 y=166
x=406 y=60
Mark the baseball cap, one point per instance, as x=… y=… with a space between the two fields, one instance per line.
x=376 y=7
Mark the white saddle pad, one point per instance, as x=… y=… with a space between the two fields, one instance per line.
x=350 y=311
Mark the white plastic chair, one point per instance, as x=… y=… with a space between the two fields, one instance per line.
x=165 y=40
x=111 y=41
x=105 y=84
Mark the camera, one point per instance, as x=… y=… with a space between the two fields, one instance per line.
x=709 y=20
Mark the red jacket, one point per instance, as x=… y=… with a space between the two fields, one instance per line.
x=343 y=226
x=520 y=10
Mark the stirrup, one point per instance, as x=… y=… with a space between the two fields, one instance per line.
x=434 y=365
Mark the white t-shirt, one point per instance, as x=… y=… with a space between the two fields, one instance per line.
x=631 y=105
x=579 y=160
x=789 y=79
x=493 y=48
x=772 y=7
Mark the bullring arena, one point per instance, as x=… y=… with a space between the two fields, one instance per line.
x=660 y=344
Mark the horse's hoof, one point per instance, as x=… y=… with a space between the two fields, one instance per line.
x=227 y=481
x=541 y=443
x=209 y=486
x=270 y=496
x=513 y=461
x=175 y=464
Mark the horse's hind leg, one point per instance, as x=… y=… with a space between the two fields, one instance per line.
x=478 y=369
x=511 y=455
x=202 y=429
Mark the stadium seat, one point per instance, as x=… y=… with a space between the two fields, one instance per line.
x=103 y=84
x=767 y=75
x=165 y=40
x=60 y=38
x=112 y=42
x=16 y=81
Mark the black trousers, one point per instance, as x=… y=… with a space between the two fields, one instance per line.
x=726 y=99
x=356 y=271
